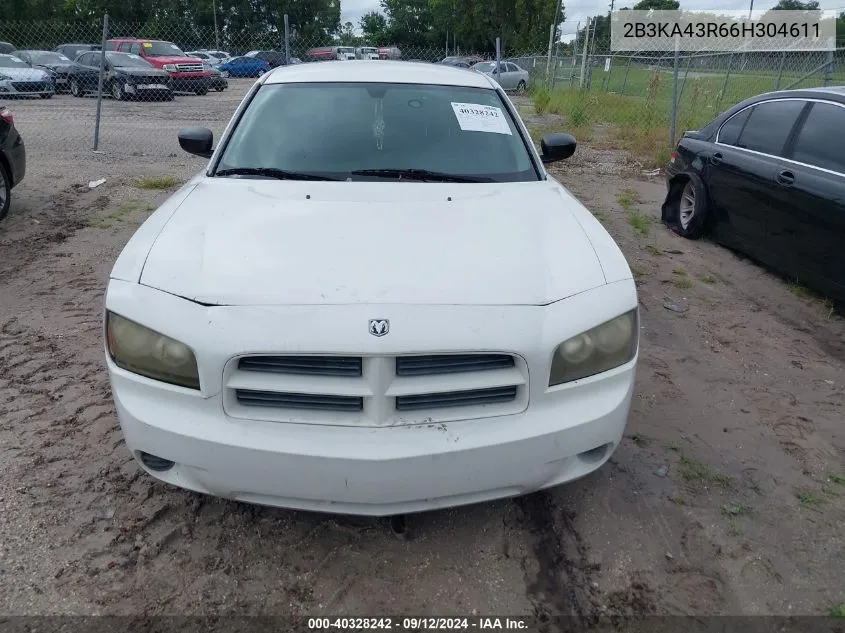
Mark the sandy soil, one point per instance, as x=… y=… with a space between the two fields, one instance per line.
x=726 y=496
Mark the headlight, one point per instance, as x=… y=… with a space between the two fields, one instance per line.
x=604 y=347
x=142 y=351
x=170 y=68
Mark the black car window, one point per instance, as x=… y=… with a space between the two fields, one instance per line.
x=732 y=128
x=769 y=125
x=135 y=49
x=512 y=68
x=822 y=138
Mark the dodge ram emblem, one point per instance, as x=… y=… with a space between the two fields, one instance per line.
x=379 y=327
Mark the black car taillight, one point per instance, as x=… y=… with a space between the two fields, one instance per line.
x=6 y=115
x=675 y=157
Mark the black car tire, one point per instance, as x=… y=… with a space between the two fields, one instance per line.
x=6 y=190
x=116 y=91
x=220 y=89
x=75 y=89
x=48 y=95
x=685 y=209
x=202 y=92
x=521 y=86
x=168 y=96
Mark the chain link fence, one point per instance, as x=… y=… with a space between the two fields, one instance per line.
x=126 y=89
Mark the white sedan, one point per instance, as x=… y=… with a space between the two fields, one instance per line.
x=373 y=300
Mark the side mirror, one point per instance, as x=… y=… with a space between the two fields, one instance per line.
x=197 y=141
x=557 y=147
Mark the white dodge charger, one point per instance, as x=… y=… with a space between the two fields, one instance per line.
x=373 y=300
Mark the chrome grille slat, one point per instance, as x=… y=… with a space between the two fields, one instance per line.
x=303 y=365
x=429 y=365
x=313 y=402
x=189 y=68
x=456 y=399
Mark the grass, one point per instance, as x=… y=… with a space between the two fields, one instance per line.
x=655 y=250
x=156 y=182
x=837 y=479
x=708 y=279
x=627 y=198
x=682 y=283
x=735 y=529
x=678 y=500
x=798 y=290
x=679 y=270
x=736 y=509
x=119 y=215
x=697 y=473
x=837 y=610
x=809 y=498
x=640 y=440
x=640 y=222
x=639 y=271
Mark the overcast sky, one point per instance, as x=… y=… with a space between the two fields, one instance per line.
x=352 y=10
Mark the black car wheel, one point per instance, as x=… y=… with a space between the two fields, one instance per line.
x=168 y=96
x=75 y=89
x=47 y=95
x=5 y=191
x=685 y=209
x=521 y=87
x=116 y=91
x=202 y=92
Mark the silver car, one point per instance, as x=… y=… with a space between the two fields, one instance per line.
x=17 y=78
x=508 y=75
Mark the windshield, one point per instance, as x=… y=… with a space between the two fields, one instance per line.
x=485 y=67
x=127 y=60
x=346 y=49
x=9 y=61
x=162 y=49
x=333 y=129
x=220 y=55
x=46 y=57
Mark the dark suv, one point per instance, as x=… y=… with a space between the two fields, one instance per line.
x=12 y=159
x=72 y=50
x=273 y=58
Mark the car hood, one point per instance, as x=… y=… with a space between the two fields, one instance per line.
x=142 y=72
x=63 y=67
x=25 y=74
x=261 y=242
x=175 y=60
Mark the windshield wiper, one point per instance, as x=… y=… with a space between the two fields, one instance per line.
x=271 y=172
x=422 y=175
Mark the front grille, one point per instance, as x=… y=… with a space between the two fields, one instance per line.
x=29 y=86
x=303 y=365
x=314 y=402
x=450 y=364
x=375 y=391
x=456 y=399
x=189 y=68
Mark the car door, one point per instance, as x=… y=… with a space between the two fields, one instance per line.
x=88 y=75
x=812 y=228
x=740 y=174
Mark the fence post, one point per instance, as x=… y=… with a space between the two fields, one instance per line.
x=828 y=70
x=727 y=76
x=584 y=54
x=780 y=69
x=287 y=40
x=498 y=54
x=625 y=79
x=100 y=81
x=549 y=57
x=675 y=92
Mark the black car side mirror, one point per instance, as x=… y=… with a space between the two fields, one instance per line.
x=197 y=141
x=557 y=147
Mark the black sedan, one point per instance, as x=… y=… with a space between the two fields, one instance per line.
x=12 y=159
x=126 y=76
x=767 y=179
x=58 y=65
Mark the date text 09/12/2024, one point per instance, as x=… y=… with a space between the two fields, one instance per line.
x=406 y=623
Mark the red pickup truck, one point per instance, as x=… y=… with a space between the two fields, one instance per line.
x=187 y=74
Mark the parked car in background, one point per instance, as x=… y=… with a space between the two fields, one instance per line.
x=187 y=74
x=13 y=155
x=57 y=64
x=366 y=52
x=295 y=60
x=19 y=79
x=273 y=58
x=71 y=51
x=509 y=75
x=217 y=81
x=7 y=48
x=767 y=179
x=207 y=57
x=462 y=61
x=244 y=67
x=127 y=76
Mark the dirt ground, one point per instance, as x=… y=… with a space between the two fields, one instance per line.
x=727 y=495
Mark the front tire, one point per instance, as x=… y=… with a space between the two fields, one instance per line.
x=520 y=87
x=75 y=89
x=116 y=91
x=686 y=207
x=202 y=92
x=5 y=191
x=48 y=95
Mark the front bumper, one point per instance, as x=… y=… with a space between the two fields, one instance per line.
x=189 y=84
x=562 y=434
x=26 y=88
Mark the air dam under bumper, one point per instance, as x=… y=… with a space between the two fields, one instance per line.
x=374 y=471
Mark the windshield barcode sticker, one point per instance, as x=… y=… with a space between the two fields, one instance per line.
x=473 y=117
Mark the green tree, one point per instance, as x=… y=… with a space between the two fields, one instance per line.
x=374 y=27
x=657 y=5
x=796 y=5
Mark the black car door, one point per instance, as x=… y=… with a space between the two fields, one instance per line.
x=88 y=71
x=813 y=193
x=740 y=174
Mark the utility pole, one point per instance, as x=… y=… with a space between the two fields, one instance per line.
x=216 y=36
x=584 y=55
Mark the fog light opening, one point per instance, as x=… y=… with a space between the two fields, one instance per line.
x=397 y=526
x=595 y=455
x=155 y=463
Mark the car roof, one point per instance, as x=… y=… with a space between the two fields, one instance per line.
x=383 y=72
